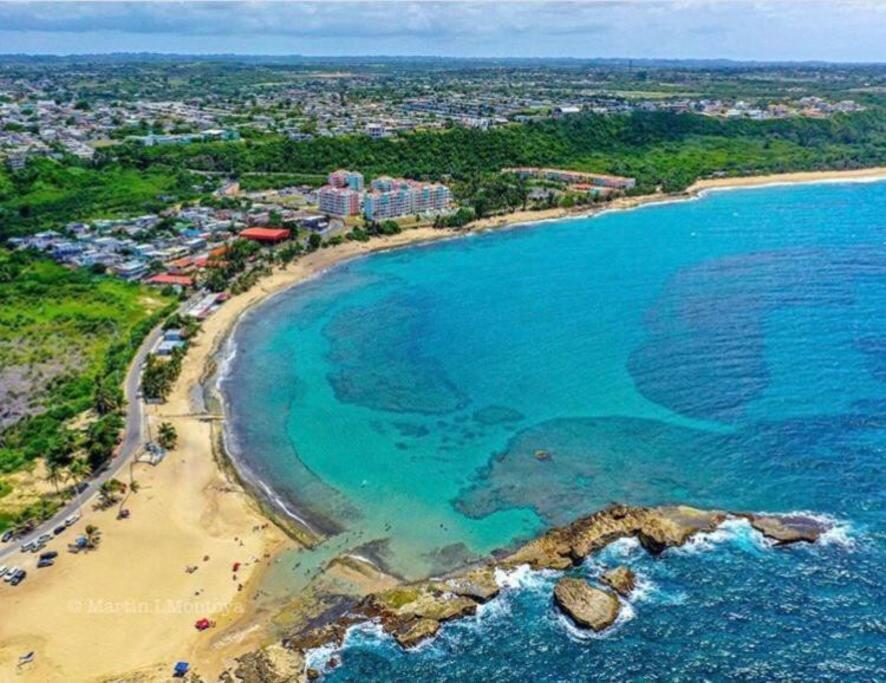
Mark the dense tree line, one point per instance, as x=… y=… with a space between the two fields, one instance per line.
x=605 y=141
x=660 y=149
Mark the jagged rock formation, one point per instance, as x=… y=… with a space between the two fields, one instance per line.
x=656 y=529
x=412 y=613
x=587 y=606
x=788 y=529
x=621 y=580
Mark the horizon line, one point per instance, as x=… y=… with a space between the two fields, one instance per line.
x=268 y=55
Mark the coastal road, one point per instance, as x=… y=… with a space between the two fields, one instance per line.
x=133 y=440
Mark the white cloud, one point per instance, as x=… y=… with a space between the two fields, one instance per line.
x=748 y=29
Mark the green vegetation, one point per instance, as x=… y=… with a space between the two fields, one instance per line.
x=102 y=437
x=265 y=181
x=47 y=194
x=167 y=437
x=658 y=148
x=72 y=334
x=160 y=374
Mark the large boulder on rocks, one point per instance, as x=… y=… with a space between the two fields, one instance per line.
x=621 y=580
x=785 y=529
x=411 y=633
x=671 y=526
x=478 y=584
x=587 y=606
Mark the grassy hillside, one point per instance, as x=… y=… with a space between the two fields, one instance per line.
x=61 y=331
x=48 y=193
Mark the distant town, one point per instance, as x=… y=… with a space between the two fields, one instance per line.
x=55 y=112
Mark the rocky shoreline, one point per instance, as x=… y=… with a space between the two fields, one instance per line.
x=412 y=613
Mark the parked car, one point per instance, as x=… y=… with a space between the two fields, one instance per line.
x=18 y=578
x=28 y=547
x=51 y=555
x=10 y=574
x=44 y=538
x=59 y=529
x=71 y=520
x=7 y=536
x=45 y=562
x=3 y=570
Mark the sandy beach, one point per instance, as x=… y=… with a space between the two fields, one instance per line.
x=784 y=178
x=127 y=610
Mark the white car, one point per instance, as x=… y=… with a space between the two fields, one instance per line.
x=44 y=538
x=11 y=572
x=3 y=570
x=72 y=519
x=27 y=547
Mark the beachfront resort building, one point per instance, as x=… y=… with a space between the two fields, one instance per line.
x=342 y=196
x=348 y=179
x=573 y=177
x=392 y=197
x=338 y=201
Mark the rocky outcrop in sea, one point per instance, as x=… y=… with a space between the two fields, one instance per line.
x=412 y=613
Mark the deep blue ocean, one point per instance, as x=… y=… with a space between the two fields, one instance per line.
x=727 y=352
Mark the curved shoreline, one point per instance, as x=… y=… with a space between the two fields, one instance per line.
x=297 y=524
x=191 y=507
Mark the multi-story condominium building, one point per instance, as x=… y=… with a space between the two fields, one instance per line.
x=338 y=201
x=566 y=176
x=391 y=197
x=349 y=179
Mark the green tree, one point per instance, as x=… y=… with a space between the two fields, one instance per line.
x=55 y=474
x=167 y=437
x=108 y=396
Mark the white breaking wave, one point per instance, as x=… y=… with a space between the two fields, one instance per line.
x=839 y=532
x=735 y=530
x=524 y=577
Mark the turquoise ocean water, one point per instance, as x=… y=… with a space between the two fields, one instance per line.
x=729 y=351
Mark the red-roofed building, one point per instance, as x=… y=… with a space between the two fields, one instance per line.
x=266 y=235
x=164 y=279
x=181 y=266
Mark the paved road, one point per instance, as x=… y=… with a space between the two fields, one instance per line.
x=133 y=440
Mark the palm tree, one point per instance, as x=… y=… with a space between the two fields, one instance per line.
x=55 y=474
x=108 y=397
x=79 y=469
x=167 y=436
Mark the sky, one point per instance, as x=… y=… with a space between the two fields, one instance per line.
x=765 y=30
